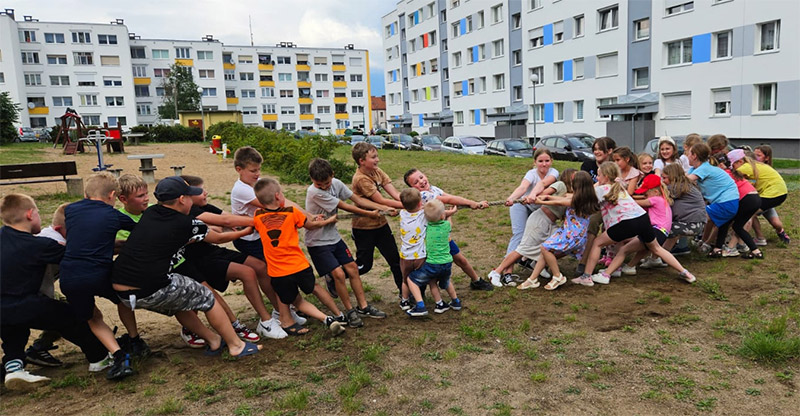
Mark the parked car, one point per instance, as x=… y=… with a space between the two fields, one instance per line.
x=428 y=143
x=355 y=139
x=468 y=145
x=376 y=141
x=397 y=141
x=573 y=146
x=509 y=148
x=26 y=134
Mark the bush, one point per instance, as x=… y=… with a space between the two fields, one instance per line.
x=413 y=134
x=282 y=152
x=168 y=134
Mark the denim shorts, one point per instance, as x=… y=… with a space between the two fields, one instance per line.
x=429 y=272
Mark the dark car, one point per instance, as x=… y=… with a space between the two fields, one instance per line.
x=574 y=146
x=509 y=148
x=356 y=139
x=428 y=143
x=376 y=141
x=398 y=141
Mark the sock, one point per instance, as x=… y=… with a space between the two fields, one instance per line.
x=119 y=355
x=685 y=272
x=581 y=268
x=13 y=366
x=421 y=304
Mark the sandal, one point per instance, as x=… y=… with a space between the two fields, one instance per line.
x=555 y=282
x=714 y=254
x=296 y=330
x=211 y=353
x=249 y=349
x=529 y=284
x=751 y=255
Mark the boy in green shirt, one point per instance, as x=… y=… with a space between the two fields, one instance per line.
x=135 y=198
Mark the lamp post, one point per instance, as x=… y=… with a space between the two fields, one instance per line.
x=202 y=114
x=534 y=79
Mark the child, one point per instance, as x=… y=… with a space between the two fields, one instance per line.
x=769 y=183
x=688 y=207
x=369 y=233
x=86 y=268
x=667 y=154
x=602 y=148
x=570 y=238
x=328 y=251
x=763 y=154
x=143 y=275
x=691 y=140
x=538 y=227
x=286 y=263
x=438 y=263
x=718 y=143
x=623 y=219
x=416 y=179
x=657 y=203
x=628 y=165
x=645 y=166
x=23 y=259
x=749 y=202
x=135 y=198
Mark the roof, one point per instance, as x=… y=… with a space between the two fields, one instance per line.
x=379 y=103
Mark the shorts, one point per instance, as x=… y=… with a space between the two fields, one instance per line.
x=680 y=229
x=454 y=248
x=286 y=287
x=409 y=265
x=633 y=227
x=771 y=203
x=212 y=268
x=722 y=212
x=327 y=258
x=250 y=247
x=770 y=213
x=660 y=234
x=80 y=293
x=429 y=272
x=538 y=228
x=181 y=294
x=595 y=221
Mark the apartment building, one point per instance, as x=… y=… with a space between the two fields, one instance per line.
x=108 y=75
x=630 y=69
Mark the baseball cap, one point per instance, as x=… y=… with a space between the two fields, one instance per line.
x=173 y=187
x=735 y=155
x=649 y=182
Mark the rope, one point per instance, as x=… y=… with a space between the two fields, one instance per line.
x=351 y=215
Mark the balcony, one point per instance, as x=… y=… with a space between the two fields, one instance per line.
x=232 y=100
x=39 y=110
x=265 y=67
x=300 y=67
x=304 y=84
x=338 y=67
x=342 y=116
x=305 y=100
x=266 y=83
x=308 y=116
x=184 y=62
x=340 y=100
x=141 y=81
x=228 y=65
x=339 y=84
x=269 y=117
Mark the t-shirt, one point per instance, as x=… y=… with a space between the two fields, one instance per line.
x=430 y=194
x=660 y=213
x=769 y=183
x=590 y=166
x=633 y=175
x=51 y=233
x=412 y=234
x=742 y=185
x=93 y=226
x=533 y=177
x=155 y=247
x=365 y=185
x=715 y=184
x=437 y=242
x=683 y=161
x=241 y=195
x=689 y=207
x=278 y=230
x=325 y=201
x=123 y=234
x=23 y=259
x=201 y=248
x=561 y=189
x=625 y=208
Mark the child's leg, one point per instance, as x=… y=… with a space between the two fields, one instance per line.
x=309 y=309
x=640 y=254
x=756 y=224
x=670 y=243
x=103 y=333
x=632 y=246
x=250 y=282
x=435 y=292
x=128 y=319
x=265 y=282
x=326 y=299
x=339 y=280
x=508 y=261
x=550 y=260
x=218 y=320
x=415 y=291
x=594 y=252
x=451 y=290
x=665 y=255
x=190 y=321
x=218 y=299
x=538 y=268
x=462 y=262
x=351 y=269
x=388 y=248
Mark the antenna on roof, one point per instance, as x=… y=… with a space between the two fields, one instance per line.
x=250 y=21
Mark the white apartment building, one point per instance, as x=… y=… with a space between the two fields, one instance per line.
x=629 y=69
x=108 y=74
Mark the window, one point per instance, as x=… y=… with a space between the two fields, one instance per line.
x=516 y=21
x=722 y=101
x=678 y=105
x=516 y=57
x=340 y=109
x=323 y=93
x=578 y=110
x=603 y=102
x=414 y=96
x=497 y=14
x=482 y=52
x=578 y=23
x=517 y=92
x=559 y=110
x=358 y=109
x=536 y=37
x=56 y=59
x=680 y=8
x=456 y=59
x=183 y=53
x=323 y=109
x=412 y=45
x=267 y=92
x=54 y=38
x=205 y=55
x=356 y=78
x=138 y=53
x=229 y=74
x=115 y=101
x=205 y=73
x=577 y=68
x=469 y=24
x=91 y=120
x=679 y=52
x=535 y=4
x=766 y=94
x=434 y=65
x=109 y=60
x=285 y=76
x=357 y=93
x=641 y=77
x=112 y=81
x=113 y=120
x=207 y=92
x=459 y=117
x=285 y=60
x=558 y=32
x=245 y=59
x=143 y=110
x=37 y=101
x=249 y=110
x=446 y=73
x=227 y=58
x=498 y=48
x=160 y=54
x=268 y=108
x=607 y=65
x=723 y=45
x=85 y=80
x=33 y=79
x=83 y=58
x=641 y=29
x=481 y=19
x=499 y=82
x=287 y=110
x=537 y=113
x=139 y=71
x=30 y=57
x=558 y=71
x=81 y=37
x=107 y=39
x=769 y=35
x=608 y=18
x=356 y=61
x=160 y=92
x=57 y=80
x=481 y=85
x=248 y=93
x=230 y=93
x=286 y=93
x=288 y=126
x=161 y=72
x=321 y=77
x=248 y=76
x=141 y=90
x=434 y=93
x=2 y=78
x=27 y=36
x=539 y=71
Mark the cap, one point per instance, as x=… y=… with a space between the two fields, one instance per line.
x=173 y=187
x=649 y=182
x=735 y=155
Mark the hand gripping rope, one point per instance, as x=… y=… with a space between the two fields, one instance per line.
x=460 y=207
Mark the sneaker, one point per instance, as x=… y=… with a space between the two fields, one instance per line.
x=616 y=273
x=417 y=311
x=761 y=242
x=441 y=307
x=102 y=364
x=494 y=277
x=120 y=369
x=526 y=263
x=331 y=286
x=353 y=320
x=23 y=380
x=507 y=280
x=629 y=270
x=704 y=248
x=42 y=357
x=584 y=280
x=334 y=325
x=784 y=237
x=730 y=252
x=271 y=329
x=688 y=276
x=681 y=251
x=245 y=334
x=137 y=348
x=455 y=304
x=341 y=319
x=371 y=312
x=652 y=263
x=601 y=278
x=405 y=304
x=190 y=338
x=545 y=274
x=742 y=248
x=481 y=284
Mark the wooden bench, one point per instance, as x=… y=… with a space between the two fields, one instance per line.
x=43 y=170
x=147 y=168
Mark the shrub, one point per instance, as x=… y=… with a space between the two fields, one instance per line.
x=413 y=134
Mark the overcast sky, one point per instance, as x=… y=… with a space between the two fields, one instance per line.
x=325 y=23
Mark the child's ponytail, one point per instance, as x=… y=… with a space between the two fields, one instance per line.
x=611 y=171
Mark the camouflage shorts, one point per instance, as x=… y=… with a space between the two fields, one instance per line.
x=680 y=229
x=181 y=294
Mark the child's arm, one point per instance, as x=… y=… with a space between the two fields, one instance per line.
x=225 y=220
x=318 y=222
x=457 y=200
x=214 y=237
x=563 y=201
x=449 y=212
x=632 y=185
x=644 y=203
x=358 y=211
x=692 y=177
x=378 y=198
x=368 y=203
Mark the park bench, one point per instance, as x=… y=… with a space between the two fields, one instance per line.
x=147 y=168
x=34 y=172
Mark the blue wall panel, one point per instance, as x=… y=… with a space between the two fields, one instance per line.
x=568 y=70
x=548 y=112
x=421 y=122
x=477 y=117
x=464 y=87
x=548 y=34
x=701 y=48
x=474 y=54
x=463 y=26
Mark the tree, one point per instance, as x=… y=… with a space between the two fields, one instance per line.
x=187 y=96
x=9 y=114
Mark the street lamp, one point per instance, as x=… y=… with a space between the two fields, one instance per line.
x=534 y=79
x=202 y=114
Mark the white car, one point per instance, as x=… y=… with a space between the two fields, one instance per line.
x=468 y=145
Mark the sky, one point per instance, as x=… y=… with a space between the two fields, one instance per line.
x=313 y=23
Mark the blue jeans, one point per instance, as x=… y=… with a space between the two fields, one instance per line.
x=519 y=216
x=429 y=272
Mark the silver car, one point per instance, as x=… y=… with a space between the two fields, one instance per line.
x=468 y=145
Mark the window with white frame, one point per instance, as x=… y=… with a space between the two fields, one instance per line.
x=558 y=31
x=641 y=77
x=32 y=79
x=766 y=97
x=482 y=52
x=138 y=53
x=323 y=93
x=721 y=101
x=56 y=59
x=54 y=38
x=536 y=37
x=603 y=102
x=577 y=68
x=459 y=117
x=83 y=58
x=679 y=8
x=678 y=105
x=107 y=39
x=2 y=78
x=446 y=73
x=249 y=110
x=59 y=80
x=607 y=65
x=81 y=37
x=248 y=76
x=143 y=109
x=268 y=108
x=160 y=54
x=722 y=45
x=516 y=21
x=139 y=71
x=109 y=60
x=641 y=29
x=412 y=45
x=434 y=93
x=141 y=90
x=535 y=4
x=88 y=100
x=358 y=109
x=245 y=59
x=27 y=36
x=183 y=53
x=578 y=105
x=160 y=92
x=287 y=110
x=161 y=72
x=481 y=85
x=205 y=55
x=539 y=72
x=679 y=52
x=499 y=82
x=536 y=113
x=769 y=36
x=481 y=19
x=205 y=73
x=578 y=23
x=112 y=81
x=288 y=126
x=559 y=110
x=497 y=13
x=37 y=101
x=248 y=93
x=456 y=59
x=115 y=101
x=558 y=71
x=321 y=77
x=414 y=96
x=469 y=24
x=455 y=29
x=357 y=93
x=91 y=119
x=516 y=57
x=356 y=78
x=285 y=60
x=498 y=48
x=29 y=57
x=286 y=93
x=608 y=18
x=284 y=76
x=114 y=120
x=323 y=109
x=517 y=92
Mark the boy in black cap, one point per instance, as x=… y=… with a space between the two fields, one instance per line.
x=143 y=274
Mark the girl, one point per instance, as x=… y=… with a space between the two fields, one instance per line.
x=645 y=166
x=688 y=207
x=769 y=183
x=628 y=165
x=538 y=227
x=657 y=204
x=763 y=154
x=749 y=202
x=602 y=148
x=571 y=237
x=535 y=181
x=667 y=154
x=623 y=219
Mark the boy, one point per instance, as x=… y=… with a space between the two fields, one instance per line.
x=86 y=268
x=135 y=198
x=369 y=233
x=328 y=251
x=438 y=264
x=143 y=276
x=287 y=265
x=23 y=259
x=416 y=179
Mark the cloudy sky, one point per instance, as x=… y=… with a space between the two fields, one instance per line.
x=325 y=23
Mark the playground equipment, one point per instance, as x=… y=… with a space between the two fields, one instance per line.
x=68 y=120
x=97 y=138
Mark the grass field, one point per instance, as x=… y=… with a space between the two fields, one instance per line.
x=646 y=344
